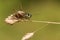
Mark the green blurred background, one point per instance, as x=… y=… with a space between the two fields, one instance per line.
x=45 y=10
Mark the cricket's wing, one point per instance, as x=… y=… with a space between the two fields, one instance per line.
x=9 y=20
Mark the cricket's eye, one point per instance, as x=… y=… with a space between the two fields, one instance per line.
x=30 y=15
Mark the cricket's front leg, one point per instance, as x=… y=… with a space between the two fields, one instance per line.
x=20 y=20
x=26 y=20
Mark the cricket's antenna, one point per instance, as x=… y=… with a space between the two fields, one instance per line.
x=21 y=5
x=40 y=28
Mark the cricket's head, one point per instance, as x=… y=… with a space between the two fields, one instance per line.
x=28 y=15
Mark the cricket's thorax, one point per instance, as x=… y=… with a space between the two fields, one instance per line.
x=21 y=12
x=19 y=15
